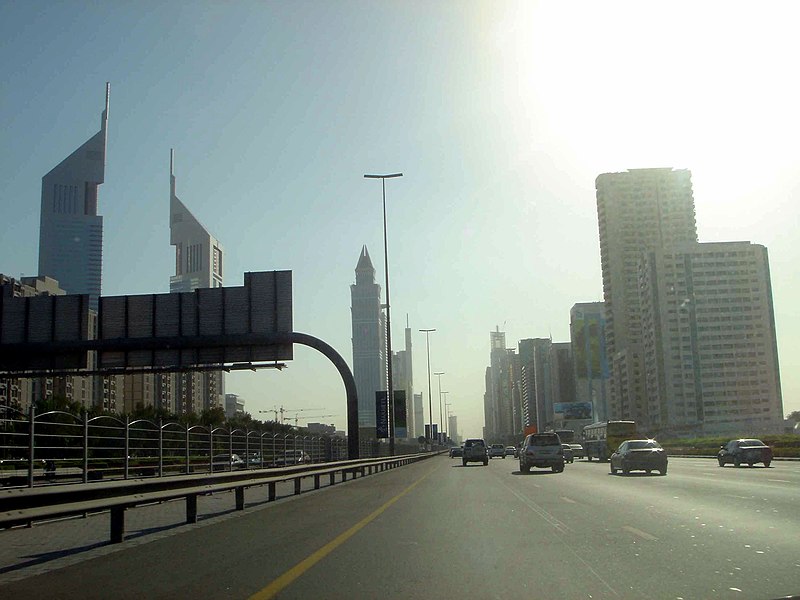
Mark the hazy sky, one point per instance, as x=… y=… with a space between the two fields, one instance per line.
x=499 y=114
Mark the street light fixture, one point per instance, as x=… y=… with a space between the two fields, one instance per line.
x=390 y=392
x=430 y=401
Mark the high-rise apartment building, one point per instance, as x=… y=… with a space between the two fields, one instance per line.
x=638 y=211
x=369 y=342
x=71 y=231
x=498 y=408
x=710 y=348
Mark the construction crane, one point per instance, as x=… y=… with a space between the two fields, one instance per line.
x=296 y=411
x=296 y=417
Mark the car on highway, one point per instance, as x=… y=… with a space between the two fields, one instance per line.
x=568 y=455
x=456 y=452
x=292 y=457
x=744 y=451
x=578 y=451
x=227 y=462
x=511 y=451
x=497 y=451
x=475 y=451
x=639 y=455
x=541 y=450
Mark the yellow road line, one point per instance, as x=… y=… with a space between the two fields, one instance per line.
x=296 y=571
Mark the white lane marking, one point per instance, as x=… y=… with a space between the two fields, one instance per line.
x=570 y=500
x=640 y=533
x=560 y=527
x=739 y=497
x=779 y=480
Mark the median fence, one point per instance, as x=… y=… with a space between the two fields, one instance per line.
x=58 y=447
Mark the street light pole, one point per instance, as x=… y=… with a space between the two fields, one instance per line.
x=430 y=400
x=440 y=414
x=389 y=392
x=439 y=377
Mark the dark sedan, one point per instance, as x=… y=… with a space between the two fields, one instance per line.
x=744 y=451
x=639 y=455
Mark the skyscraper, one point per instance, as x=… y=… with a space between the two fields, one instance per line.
x=198 y=264
x=369 y=347
x=403 y=380
x=638 y=211
x=198 y=254
x=710 y=349
x=71 y=231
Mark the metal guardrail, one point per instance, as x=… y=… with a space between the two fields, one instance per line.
x=60 y=447
x=26 y=505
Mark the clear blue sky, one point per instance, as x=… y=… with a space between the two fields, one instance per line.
x=500 y=115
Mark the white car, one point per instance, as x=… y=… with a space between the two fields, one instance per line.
x=497 y=451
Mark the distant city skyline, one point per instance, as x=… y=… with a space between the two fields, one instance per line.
x=278 y=110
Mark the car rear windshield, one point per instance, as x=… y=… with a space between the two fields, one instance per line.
x=643 y=444
x=545 y=440
x=469 y=443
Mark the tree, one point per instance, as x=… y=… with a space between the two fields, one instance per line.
x=794 y=416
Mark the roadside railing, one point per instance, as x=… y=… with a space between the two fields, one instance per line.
x=58 y=447
x=27 y=505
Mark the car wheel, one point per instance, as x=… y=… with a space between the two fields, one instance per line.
x=485 y=462
x=613 y=470
x=749 y=464
x=589 y=458
x=463 y=463
x=737 y=462
x=504 y=457
x=662 y=471
x=721 y=462
x=766 y=463
x=524 y=468
x=626 y=471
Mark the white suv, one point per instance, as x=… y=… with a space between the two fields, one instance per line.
x=542 y=450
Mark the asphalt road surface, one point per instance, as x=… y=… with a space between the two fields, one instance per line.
x=437 y=529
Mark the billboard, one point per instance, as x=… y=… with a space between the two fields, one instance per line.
x=400 y=423
x=573 y=410
x=200 y=327
x=381 y=415
x=31 y=327
x=588 y=342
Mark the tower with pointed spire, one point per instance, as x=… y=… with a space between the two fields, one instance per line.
x=71 y=231
x=369 y=345
x=198 y=264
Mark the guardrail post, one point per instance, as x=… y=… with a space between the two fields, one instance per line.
x=297 y=485
x=31 y=447
x=316 y=482
x=117 y=524
x=127 y=446
x=161 y=447
x=191 y=508
x=271 y=492
x=187 y=449
x=239 y=498
x=333 y=477
x=85 y=447
x=246 y=448
x=210 y=449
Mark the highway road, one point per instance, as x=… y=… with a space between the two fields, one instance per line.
x=437 y=529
